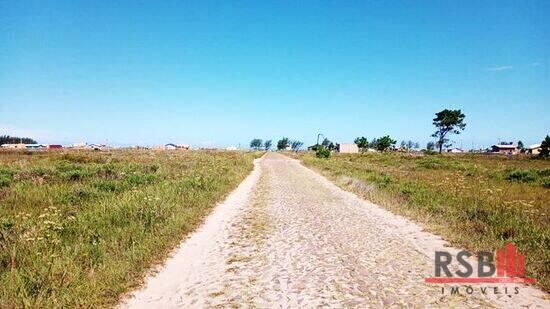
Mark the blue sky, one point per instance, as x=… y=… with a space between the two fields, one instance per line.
x=224 y=72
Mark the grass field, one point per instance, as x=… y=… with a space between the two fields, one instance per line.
x=81 y=228
x=475 y=201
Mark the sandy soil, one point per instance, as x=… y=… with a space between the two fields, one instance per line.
x=287 y=237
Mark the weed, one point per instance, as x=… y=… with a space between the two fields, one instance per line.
x=90 y=232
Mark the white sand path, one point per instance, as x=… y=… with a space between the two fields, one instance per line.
x=287 y=238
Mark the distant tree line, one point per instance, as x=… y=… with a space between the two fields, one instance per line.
x=383 y=143
x=282 y=144
x=446 y=122
x=6 y=139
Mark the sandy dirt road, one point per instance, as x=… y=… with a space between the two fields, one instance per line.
x=289 y=238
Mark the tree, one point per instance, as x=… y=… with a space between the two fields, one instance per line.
x=362 y=143
x=384 y=143
x=447 y=121
x=256 y=143
x=283 y=143
x=267 y=145
x=430 y=146
x=327 y=144
x=521 y=147
x=416 y=145
x=6 y=139
x=545 y=147
x=295 y=145
x=403 y=144
x=373 y=142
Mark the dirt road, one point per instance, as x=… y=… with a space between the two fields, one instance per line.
x=287 y=237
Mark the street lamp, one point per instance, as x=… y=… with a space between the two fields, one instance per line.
x=318 y=137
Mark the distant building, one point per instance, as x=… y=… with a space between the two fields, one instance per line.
x=347 y=148
x=55 y=147
x=505 y=149
x=171 y=146
x=231 y=148
x=455 y=150
x=80 y=145
x=24 y=146
x=96 y=146
x=13 y=146
x=533 y=149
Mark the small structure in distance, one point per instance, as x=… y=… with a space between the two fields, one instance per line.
x=347 y=148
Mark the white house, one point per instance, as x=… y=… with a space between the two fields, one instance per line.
x=348 y=148
x=533 y=149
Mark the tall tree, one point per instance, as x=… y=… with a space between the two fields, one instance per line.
x=295 y=145
x=521 y=147
x=267 y=145
x=430 y=146
x=447 y=121
x=384 y=143
x=362 y=143
x=6 y=139
x=545 y=147
x=373 y=142
x=256 y=143
x=283 y=143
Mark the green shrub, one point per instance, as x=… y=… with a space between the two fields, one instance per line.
x=322 y=152
x=75 y=175
x=521 y=176
x=108 y=185
x=546 y=182
x=432 y=163
x=139 y=179
x=4 y=181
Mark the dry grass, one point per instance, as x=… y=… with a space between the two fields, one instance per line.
x=475 y=201
x=78 y=229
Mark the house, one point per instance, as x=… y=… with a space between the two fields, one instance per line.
x=508 y=149
x=35 y=146
x=79 y=145
x=97 y=146
x=455 y=150
x=533 y=149
x=231 y=148
x=55 y=147
x=347 y=148
x=171 y=146
x=13 y=146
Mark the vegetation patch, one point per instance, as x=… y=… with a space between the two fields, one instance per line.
x=78 y=229
x=478 y=202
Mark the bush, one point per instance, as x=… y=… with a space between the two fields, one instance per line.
x=108 y=186
x=6 y=176
x=546 y=182
x=521 y=176
x=139 y=178
x=4 y=181
x=322 y=152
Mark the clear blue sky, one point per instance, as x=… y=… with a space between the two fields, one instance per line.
x=224 y=72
